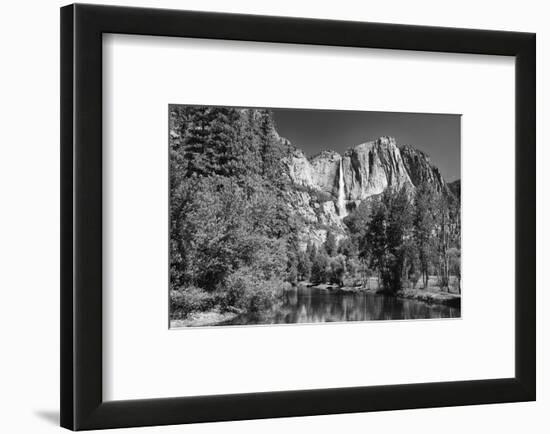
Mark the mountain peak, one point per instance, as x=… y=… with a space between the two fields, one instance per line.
x=420 y=168
x=326 y=155
x=409 y=149
x=383 y=142
x=367 y=169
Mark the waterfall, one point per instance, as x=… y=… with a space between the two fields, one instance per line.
x=341 y=204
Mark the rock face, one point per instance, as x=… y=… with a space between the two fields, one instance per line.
x=328 y=185
x=371 y=167
x=420 y=169
x=325 y=168
x=300 y=169
x=454 y=187
x=364 y=170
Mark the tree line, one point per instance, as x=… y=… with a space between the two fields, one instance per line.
x=400 y=237
x=230 y=226
x=405 y=236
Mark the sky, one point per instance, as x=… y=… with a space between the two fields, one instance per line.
x=438 y=135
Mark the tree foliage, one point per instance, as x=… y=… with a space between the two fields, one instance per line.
x=228 y=217
x=403 y=235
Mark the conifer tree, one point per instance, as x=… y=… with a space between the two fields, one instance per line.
x=425 y=209
x=330 y=244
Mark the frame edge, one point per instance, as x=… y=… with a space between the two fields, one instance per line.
x=81 y=405
x=67 y=370
x=525 y=315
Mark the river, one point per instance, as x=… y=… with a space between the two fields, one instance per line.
x=313 y=305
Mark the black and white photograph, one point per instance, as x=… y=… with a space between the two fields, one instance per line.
x=284 y=216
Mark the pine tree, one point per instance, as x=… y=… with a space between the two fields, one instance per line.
x=251 y=140
x=273 y=149
x=337 y=269
x=311 y=251
x=330 y=244
x=195 y=130
x=387 y=237
x=374 y=243
x=304 y=266
x=320 y=267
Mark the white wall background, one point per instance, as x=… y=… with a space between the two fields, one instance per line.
x=29 y=229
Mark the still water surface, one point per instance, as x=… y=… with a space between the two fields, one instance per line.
x=310 y=305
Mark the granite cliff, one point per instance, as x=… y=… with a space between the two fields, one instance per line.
x=328 y=186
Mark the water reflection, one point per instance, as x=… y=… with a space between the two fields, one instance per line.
x=310 y=305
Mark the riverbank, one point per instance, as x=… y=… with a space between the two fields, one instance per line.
x=208 y=318
x=367 y=303
x=430 y=295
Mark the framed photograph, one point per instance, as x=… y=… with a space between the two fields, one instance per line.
x=265 y=232
x=272 y=217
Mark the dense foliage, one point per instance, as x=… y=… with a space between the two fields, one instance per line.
x=230 y=228
x=407 y=236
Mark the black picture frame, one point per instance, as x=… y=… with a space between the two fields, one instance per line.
x=82 y=406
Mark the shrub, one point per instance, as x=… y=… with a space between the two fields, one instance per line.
x=337 y=269
x=244 y=290
x=320 y=269
x=320 y=196
x=191 y=299
x=414 y=277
